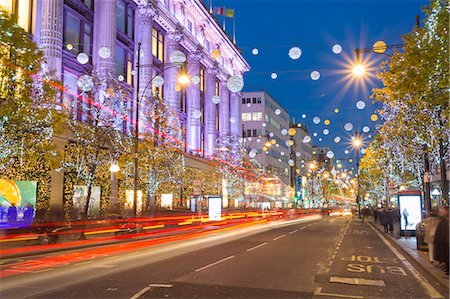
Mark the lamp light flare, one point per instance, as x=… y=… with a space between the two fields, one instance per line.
x=184 y=79
x=255 y=51
x=359 y=70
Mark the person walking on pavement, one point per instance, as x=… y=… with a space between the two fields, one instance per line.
x=430 y=223
x=390 y=218
x=384 y=219
x=405 y=218
x=441 y=246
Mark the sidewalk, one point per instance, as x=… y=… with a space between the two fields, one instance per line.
x=409 y=246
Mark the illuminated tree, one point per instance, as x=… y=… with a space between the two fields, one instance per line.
x=29 y=114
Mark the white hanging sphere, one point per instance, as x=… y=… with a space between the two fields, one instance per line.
x=326 y=131
x=282 y=153
x=284 y=131
x=216 y=100
x=277 y=111
x=252 y=154
x=235 y=83
x=273 y=76
x=366 y=129
x=360 y=104
x=133 y=72
x=337 y=139
x=104 y=52
x=255 y=51
x=330 y=154
x=363 y=151
x=337 y=48
x=249 y=105
x=85 y=83
x=291 y=162
x=264 y=125
x=195 y=79
x=271 y=134
x=177 y=57
x=348 y=127
x=303 y=115
x=158 y=81
x=295 y=53
x=316 y=120
x=320 y=139
x=315 y=134
x=232 y=119
x=258 y=140
x=298 y=154
x=307 y=139
x=346 y=152
x=315 y=75
x=120 y=78
x=197 y=114
x=82 y=58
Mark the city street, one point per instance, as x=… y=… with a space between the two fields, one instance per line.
x=320 y=257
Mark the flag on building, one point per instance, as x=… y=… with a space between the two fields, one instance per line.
x=229 y=13
x=219 y=10
x=224 y=12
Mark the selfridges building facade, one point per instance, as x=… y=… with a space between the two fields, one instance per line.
x=81 y=36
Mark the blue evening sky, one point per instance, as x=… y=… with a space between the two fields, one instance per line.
x=274 y=26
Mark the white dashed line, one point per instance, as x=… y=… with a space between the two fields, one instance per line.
x=279 y=237
x=215 y=263
x=358 y=281
x=294 y=231
x=257 y=246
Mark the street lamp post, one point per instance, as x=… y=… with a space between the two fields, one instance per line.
x=357 y=143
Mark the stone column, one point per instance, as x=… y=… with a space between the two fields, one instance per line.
x=235 y=112
x=104 y=35
x=171 y=96
x=224 y=111
x=144 y=27
x=193 y=104
x=210 y=111
x=51 y=34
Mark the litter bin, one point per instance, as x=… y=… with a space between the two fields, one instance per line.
x=420 y=236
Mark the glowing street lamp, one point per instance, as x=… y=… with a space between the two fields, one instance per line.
x=359 y=70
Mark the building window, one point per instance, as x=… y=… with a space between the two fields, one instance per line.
x=254 y=100
x=124 y=63
x=158 y=45
x=202 y=79
x=255 y=133
x=21 y=10
x=249 y=133
x=248 y=100
x=78 y=33
x=246 y=116
x=243 y=100
x=125 y=18
x=217 y=88
x=258 y=100
x=257 y=116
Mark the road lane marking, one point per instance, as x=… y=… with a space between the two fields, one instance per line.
x=294 y=231
x=257 y=246
x=318 y=292
x=138 y=294
x=160 y=285
x=279 y=237
x=215 y=263
x=431 y=291
x=358 y=281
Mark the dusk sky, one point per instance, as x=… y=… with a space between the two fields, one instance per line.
x=275 y=26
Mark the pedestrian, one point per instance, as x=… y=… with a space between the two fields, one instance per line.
x=375 y=215
x=384 y=219
x=430 y=224
x=390 y=218
x=441 y=247
x=28 y=215
x=405 y=215
x=12 y=214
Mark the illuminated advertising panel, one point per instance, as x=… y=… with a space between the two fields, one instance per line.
x=166 y=201
x=410 y=210
x=215 y=208
x=129 y=200
x=79 y=201
x=17 y=201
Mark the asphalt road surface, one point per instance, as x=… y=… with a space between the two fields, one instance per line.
x=328 y=257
